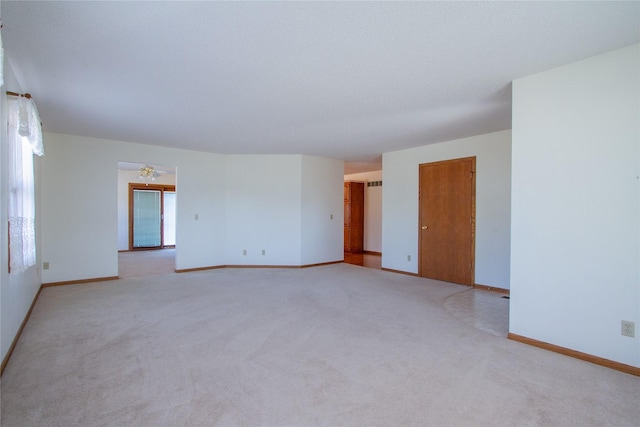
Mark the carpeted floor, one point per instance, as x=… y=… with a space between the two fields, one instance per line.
x=337 y=345
x=485 y=310
x=146 y=263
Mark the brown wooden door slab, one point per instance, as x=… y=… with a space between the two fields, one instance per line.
x=354 y=217
x=447 y=220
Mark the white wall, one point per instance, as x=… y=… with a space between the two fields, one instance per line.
x=576 y=205
x=263 y=197
x=400 y=203
x=372 y=209
x=79 y=205
x=251 y=202
x=322 y=210
x=17 y=290
x=200 y=188
x=124 y=178
x=282 y=204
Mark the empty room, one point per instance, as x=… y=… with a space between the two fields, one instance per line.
x=319 y=213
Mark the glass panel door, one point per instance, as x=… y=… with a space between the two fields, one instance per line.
x=169 y=218
x=147 y=219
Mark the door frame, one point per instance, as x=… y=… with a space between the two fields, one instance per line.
x=157 y=187
x=473 y=214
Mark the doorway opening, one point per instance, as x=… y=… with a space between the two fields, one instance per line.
x=153 y=249
x=363 y=235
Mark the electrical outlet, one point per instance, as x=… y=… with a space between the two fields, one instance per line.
x=45 y=265
x=264 y=252
x=244 y=252
x=408 y=257
x=628 y=329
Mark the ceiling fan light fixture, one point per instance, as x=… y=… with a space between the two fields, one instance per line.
x=148 y=174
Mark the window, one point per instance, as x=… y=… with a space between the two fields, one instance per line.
x=169 y=218
x=147 y=219
x=24 y=135
x=151 y=216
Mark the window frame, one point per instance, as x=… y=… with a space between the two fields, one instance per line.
x=156 y=187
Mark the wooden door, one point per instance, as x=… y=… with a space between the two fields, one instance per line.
x=447 y=220
x=354 y=217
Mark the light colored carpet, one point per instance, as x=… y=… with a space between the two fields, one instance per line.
x=336 y=345
x=146 y=263
x=485 y=310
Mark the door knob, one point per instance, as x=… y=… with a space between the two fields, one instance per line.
x=424 y=227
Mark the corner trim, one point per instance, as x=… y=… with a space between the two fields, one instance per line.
x=320 y=264
x=492 y=289
x=75 y=282
x=5 y=361
x=628 y=369
x=186 y=270
x=260 y=266
x=372 y=253
x=400 y=272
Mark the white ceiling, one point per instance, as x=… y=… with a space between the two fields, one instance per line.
x=345 y=80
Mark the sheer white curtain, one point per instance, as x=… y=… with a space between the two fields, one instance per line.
x=24 y=136
x=1 y=59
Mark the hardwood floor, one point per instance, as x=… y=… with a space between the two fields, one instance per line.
x=365 y=260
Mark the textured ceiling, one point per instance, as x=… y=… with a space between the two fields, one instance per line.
x=345 y=80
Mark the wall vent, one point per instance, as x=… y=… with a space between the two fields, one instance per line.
x=374 y=184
